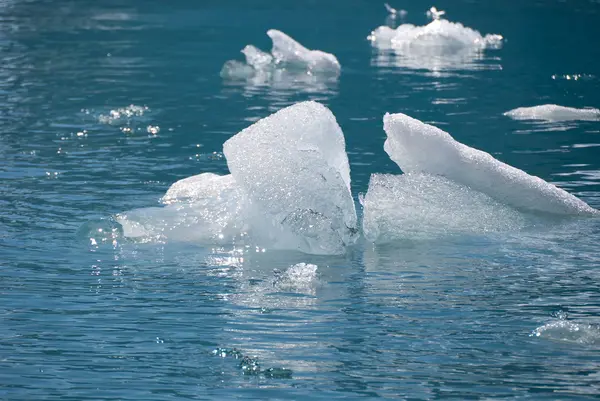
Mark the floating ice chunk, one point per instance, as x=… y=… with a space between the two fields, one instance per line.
x=256 y=58
x=422 y=148
x=554 y=113
x=568 y=331
x=422 y=206
x=437 y=37
x=204 y=208
x=287 y=51
x=294 y=168
x=439 y=45
x=197 y=187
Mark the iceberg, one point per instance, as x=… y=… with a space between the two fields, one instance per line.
x=439 y=45
x=417 y=147
x=554 y=113
x=420 y=206
x=289 y=188
x=294 y=169
x=287 y=54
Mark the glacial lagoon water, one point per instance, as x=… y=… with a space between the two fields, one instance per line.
x=104 y=106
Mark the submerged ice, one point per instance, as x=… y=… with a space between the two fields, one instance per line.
x=289 y=188
x=421 y=148
x=554 y=113
x=286 y=53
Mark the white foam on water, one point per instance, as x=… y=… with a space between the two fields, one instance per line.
x=554 y=113
x=420 y=206
x=294 y=168
x=439 y=45
x=421 y=148
x=569 y=331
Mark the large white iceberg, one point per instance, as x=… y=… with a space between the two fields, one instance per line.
x=439 y=45
x=554 y=113
x=287 y=54
x=420 y=206
x=294 y=168
x=289 y=188
x=421 y=148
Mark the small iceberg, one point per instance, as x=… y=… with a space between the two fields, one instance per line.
x=417 y=147
x=287 y=54
x=289 y=188
x=554 y=113
x=439 y=45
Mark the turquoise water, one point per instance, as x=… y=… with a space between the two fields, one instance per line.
x=512 y=316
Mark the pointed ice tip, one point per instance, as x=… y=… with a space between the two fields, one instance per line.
x=390 y=9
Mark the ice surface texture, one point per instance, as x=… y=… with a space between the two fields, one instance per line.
x=421 y=148
x=294 y=168
x=285 y=54
x=554 y=113
x=289 y=188
x=206 y=208
x=420 y=206
x=439 y=45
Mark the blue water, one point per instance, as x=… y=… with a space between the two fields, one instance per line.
x=513 y=316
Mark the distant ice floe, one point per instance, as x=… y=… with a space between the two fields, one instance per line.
x=286 y=54
x=289 y=188
x=554 y=113
x=439 y=45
